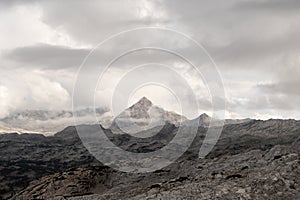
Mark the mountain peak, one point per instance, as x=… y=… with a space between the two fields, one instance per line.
x=143 y=102
x=204 y=115
x=144 y=115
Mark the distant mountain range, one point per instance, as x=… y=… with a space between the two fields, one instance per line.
x=49 y=122
x=141 y=116
x=144 y=115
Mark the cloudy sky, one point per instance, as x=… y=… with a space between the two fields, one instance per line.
x=255 y=44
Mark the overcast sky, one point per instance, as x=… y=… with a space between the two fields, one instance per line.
x=255 y=44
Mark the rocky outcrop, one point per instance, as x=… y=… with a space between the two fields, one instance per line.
x=256 y=174
x=252 y=160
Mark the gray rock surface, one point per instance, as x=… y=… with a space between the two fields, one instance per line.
x=252 y=160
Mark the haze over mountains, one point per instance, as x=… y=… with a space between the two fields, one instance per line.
x=141 y=116
x=49 y=122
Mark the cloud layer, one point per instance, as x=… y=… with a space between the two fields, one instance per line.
x=255 y=44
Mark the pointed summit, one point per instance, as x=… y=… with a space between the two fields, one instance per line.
x=143 y=115
x=144 y=100
x=142 y=103
x=204 y=119
x=204 y=116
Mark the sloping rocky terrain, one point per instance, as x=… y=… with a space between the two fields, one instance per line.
x=25 y=157
x=252 y=160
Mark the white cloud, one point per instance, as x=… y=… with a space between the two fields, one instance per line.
x=21 y=25
x=25 y=90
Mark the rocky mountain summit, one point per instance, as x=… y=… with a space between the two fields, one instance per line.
x=252 y=160
x=144 y=115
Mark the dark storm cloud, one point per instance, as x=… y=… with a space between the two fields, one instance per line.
x=282 y=96
x=238 y=33
x=47 y=56
x=53 y=57
x=234 y=38
x=289 y=88
x=9 y=3
x=284 y=92
x=277 y=6
x=93 y=21
x=254 y=50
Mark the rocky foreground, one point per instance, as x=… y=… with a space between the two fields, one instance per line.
x=252 y=160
